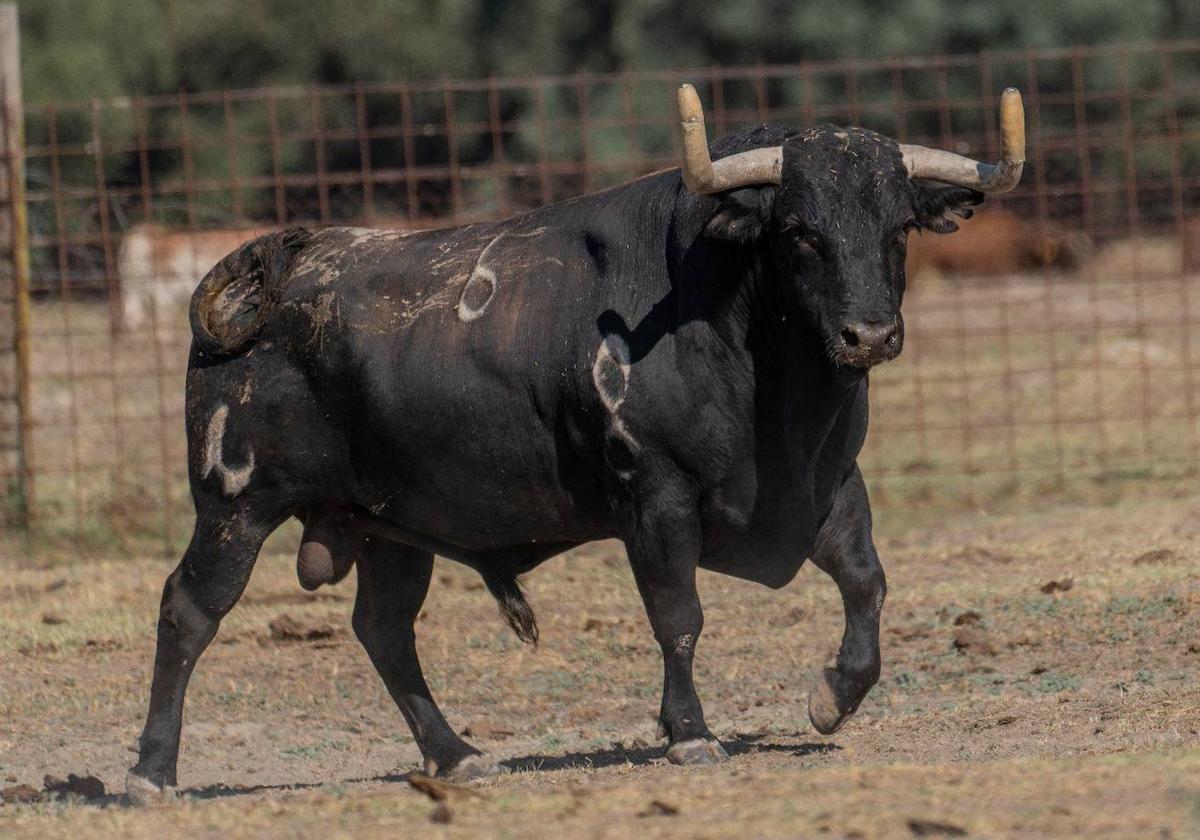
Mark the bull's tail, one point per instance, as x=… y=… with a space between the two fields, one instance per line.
x=513 y=606
x=236 y=298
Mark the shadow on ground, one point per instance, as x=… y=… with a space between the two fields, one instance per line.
x=617 y=755
x=594 y=759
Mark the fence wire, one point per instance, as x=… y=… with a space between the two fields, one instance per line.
x=1048 y=348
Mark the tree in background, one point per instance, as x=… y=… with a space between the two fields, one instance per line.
x=75 y=49
x=81 y=49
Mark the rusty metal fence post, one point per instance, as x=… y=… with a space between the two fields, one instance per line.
x=16 y=474
x=1051 y=342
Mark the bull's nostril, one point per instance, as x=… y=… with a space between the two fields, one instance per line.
x=850 y=337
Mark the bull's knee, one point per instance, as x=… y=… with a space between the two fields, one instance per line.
x=180 y=614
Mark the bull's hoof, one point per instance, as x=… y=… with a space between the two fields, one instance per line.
x=143 y=793
x=468 y=770
x=697 y=751
x=824 y=711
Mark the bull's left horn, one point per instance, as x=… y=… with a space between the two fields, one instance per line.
x=949 y=168
x=701 y=174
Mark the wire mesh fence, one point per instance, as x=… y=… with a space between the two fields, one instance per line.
x=1049 y=342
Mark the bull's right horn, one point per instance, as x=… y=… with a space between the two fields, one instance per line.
x=701 y=174
x=949 y=168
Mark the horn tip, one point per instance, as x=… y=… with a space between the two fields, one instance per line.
x=690 y=109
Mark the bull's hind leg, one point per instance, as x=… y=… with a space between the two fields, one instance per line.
x=202 y=589
x=392 y=583
x=846 y=552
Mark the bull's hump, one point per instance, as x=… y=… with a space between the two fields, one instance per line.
x=385 y=281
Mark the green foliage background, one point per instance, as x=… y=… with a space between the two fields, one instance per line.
x=84 y=48
x=77 y=50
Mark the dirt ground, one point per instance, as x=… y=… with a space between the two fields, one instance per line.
x=1040 y=679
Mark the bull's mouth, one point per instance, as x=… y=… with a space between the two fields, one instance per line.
x=859 y=358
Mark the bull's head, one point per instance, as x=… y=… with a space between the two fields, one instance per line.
x=832 y=208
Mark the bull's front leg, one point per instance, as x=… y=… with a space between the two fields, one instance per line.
x=846 y=552
x=664 y=555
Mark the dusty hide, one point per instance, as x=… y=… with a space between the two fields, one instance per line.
x=159 y=268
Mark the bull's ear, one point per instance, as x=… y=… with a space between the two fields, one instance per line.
x=743 y=215
x=936 y=207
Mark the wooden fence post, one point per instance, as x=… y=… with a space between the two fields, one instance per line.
x=16 y=484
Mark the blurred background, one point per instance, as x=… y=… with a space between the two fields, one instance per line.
x=1049 y=354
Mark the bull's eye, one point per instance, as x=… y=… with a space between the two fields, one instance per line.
x=809 y=244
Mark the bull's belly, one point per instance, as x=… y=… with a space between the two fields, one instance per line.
x=478 y=502
x=483 y=528
x=771 y=558
x=767 y=545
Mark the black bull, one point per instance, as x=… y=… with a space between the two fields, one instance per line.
x=686 y=373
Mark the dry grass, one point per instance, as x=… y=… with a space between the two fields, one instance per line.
x=1084 y=720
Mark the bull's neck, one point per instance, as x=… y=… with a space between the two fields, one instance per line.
x=746 y=316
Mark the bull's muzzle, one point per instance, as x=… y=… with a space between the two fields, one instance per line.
x=866 y=343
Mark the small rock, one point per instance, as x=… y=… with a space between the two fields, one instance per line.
x=658 y=808
x=968 y=617
x=1158 y=555
x=593 y=624
x=1194 y=647
x=1006 y=720
x=1052 y=586
x=935 y=828
x=285 y=628
x=20 y=794
x=89 y=787
x=53 y=619
x=973 y=640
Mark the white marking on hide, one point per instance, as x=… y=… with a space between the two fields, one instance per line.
x=610 y=372
x=233 y=481
x=364 y=234
x=483 y=274
x=322 y=312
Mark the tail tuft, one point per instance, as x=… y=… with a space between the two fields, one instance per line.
x=513 y=606
x=236 y=298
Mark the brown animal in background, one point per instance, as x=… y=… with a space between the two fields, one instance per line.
x=159 y=268
x=997 y=242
